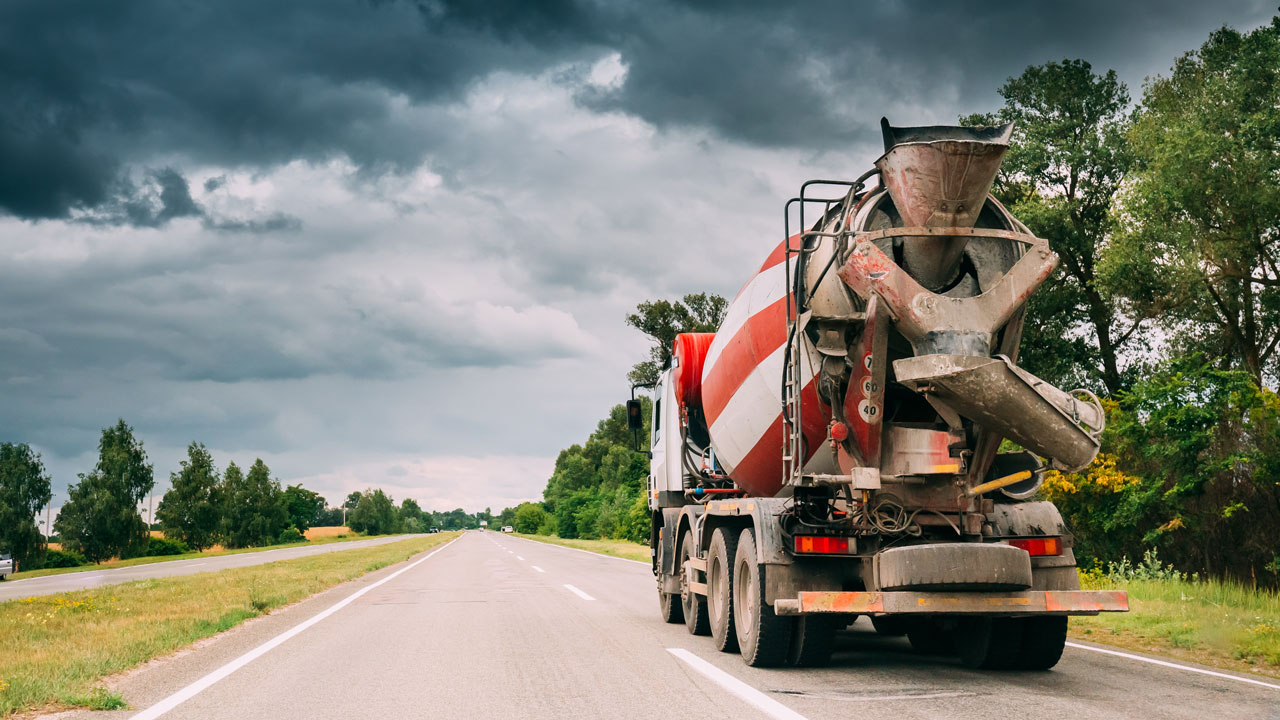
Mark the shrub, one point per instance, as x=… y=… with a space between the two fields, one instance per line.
x=165 y=546
x=290 y=535
x=63 y=559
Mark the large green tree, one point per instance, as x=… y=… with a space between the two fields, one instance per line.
x=24 y=490
x=1201 y=217
x=1066 y=162
x=191 y=511
x=662 y=320
x=376 y=514
x=254 y=510
x=304 y=506
x=100 y=519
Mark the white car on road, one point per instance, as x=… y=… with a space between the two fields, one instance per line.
x=6 y=565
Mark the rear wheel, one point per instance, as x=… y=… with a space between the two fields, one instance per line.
x=724 y=546
x=928 y=636
x=813 y=638
x=763 y=636
x=669 y=606
x=990 y=643
x=693 y=605
x=892 y=625
x=1043 y=639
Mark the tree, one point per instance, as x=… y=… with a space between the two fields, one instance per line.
x=255 y=512
x=353 y=499
x=662 y=320
x=100 y=519
x=329 y=517
x=375 y=514
x=24 y=490
x=410 y=516
x=1201 y=217
x=303 y=506
x=1067 y=160
x=528 y=517
x=191 y=510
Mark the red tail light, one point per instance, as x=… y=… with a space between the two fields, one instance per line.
x=821 y=544
x=1039 y=546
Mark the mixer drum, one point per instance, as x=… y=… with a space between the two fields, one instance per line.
x=742 y=383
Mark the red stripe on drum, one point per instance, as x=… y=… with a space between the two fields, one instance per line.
x=760 y=336
x=760 y=472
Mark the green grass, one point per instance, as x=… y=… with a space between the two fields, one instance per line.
x=56 y=649
x=1215 y=623
x=617 y=548
x=185 y=556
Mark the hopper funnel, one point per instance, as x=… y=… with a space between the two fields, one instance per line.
x=939 y=177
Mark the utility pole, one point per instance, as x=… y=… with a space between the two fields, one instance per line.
x=151 y=516
x=48 y=523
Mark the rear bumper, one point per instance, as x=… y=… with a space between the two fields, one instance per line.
x=1028 y=602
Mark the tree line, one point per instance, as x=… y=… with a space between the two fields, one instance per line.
x=234 y=508
x=1165 y=214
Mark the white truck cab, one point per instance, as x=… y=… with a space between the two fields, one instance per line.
x=6 y=565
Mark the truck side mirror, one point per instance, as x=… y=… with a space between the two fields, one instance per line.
x=635 y=416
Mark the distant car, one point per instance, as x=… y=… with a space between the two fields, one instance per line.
x=434 y=530
x=508 y=528
x=6 y=565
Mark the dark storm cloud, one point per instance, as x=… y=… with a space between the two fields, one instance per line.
x=95 y=90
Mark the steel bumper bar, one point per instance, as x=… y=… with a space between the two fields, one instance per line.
x=1029 y=602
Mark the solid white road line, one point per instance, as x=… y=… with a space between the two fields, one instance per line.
x=596 y=554
x=535 y=567
x=207 y=681
x=1188 y=668
x=578 y=592
x=736 y=687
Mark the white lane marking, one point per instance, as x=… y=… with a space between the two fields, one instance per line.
x=736 y=687
x=1188 y=668
x=535 y=567
x=578 y=592
x=519 y=558
x=207 y=681
x=596 y=554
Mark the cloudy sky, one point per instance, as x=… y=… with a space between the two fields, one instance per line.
x=391 y=243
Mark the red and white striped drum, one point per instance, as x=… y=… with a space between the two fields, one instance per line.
x=742 y=383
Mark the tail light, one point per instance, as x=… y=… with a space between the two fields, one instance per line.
x=1039 y=545
x=821 y=545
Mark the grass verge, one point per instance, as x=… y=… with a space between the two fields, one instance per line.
x=616 y=548
x=54 y=649
x=322 y=540
x=1213 y=623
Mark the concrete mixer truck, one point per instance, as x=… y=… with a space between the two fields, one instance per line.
x=857 y=438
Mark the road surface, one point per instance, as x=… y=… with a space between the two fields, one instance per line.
x=50 y=584
x=493 y=626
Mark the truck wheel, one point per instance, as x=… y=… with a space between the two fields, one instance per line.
x=1043 y=639
x=990 y=643
x=724 y=546
x=891 y=625
x=813 y=638
x=669 y=606
x=694 y=606
x=763 y=636
x=928 y=637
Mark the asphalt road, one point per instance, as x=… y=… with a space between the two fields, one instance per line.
x=50 y=584
x=492 y=626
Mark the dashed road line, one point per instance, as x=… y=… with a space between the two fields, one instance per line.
x=578 y=592
x=535 y=567
x=736 y=687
